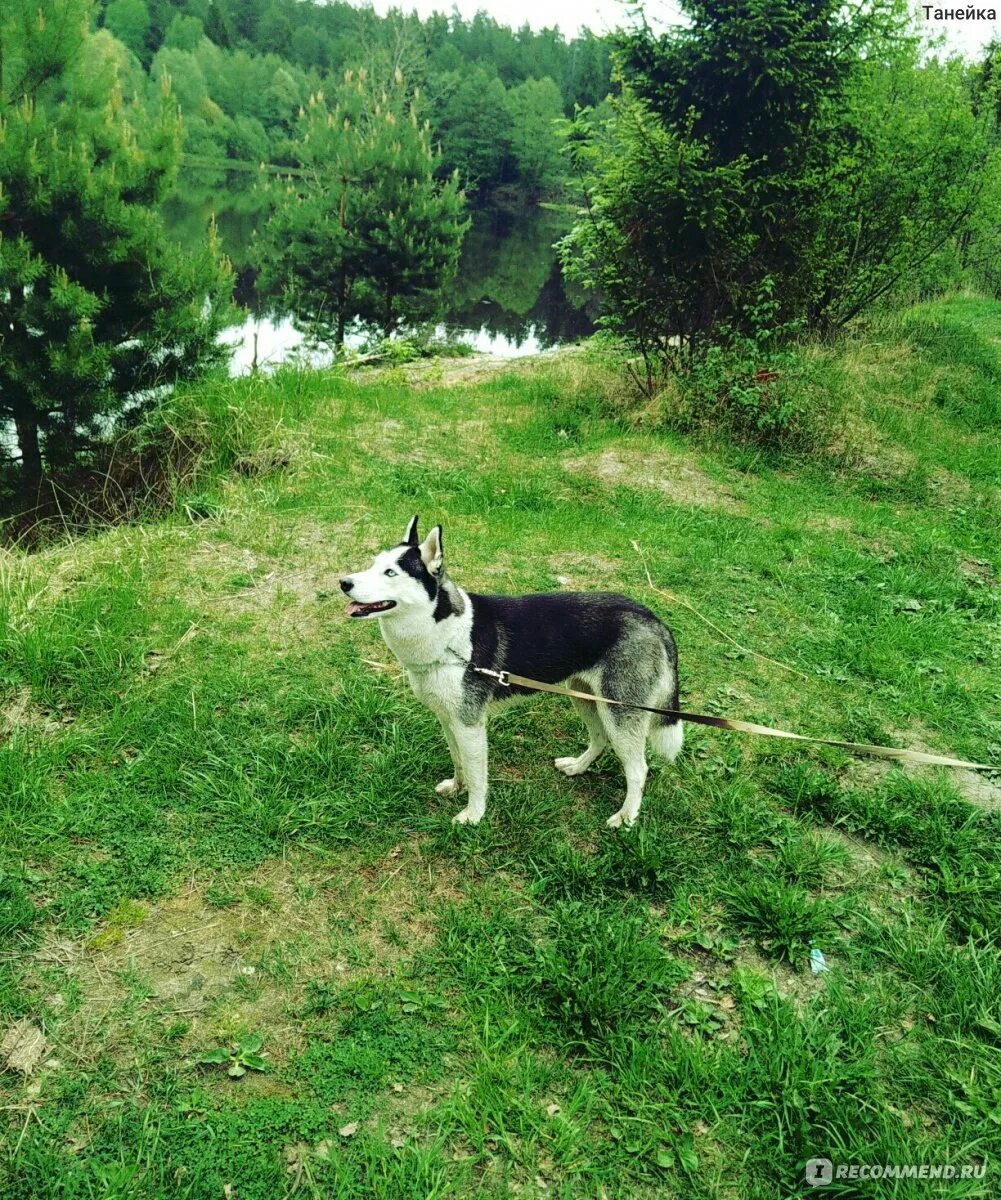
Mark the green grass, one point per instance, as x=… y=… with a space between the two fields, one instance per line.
x=218 y=824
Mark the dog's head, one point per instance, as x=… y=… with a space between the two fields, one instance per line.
x=400 y=580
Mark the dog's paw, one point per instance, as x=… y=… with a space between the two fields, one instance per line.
x=467 y=817
x=450 y=787
x=620 y=820
x=570 y=766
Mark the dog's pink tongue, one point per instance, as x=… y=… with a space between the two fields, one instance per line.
x=355 y=607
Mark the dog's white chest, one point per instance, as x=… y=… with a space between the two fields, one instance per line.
x=439 y=687
x=435 y=656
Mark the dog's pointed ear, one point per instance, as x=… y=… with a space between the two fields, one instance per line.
x=410 y=537
x=433 y=551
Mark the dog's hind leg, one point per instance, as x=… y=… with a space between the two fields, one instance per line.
x=588 y=713
x=457 y=784
x=628 y=737
x=471 y=741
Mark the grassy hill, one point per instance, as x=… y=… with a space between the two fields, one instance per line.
x=218 y=822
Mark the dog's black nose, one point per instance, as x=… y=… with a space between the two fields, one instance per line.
x=347 y=585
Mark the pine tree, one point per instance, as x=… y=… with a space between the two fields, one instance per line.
x=98 y=309
x=363 y=229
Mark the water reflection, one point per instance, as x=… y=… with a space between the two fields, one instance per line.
x=509 y=297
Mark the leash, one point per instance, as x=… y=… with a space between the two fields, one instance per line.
x=507 y=679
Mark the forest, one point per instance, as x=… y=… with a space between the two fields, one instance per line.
x=241 y=69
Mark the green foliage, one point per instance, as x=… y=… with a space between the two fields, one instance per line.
x=971 y=392
x=533 y=109
x=239 y=1057
x=261 y=59
x=363 y=230
x=16 y=910
x=380 y=1036
x=129 y=21
x=97 y=308
x=786 y=919
x=758 y=384
x=790 y=149
x=475 y=128
x=916 y=175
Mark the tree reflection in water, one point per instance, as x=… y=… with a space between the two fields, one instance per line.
x=509 y=292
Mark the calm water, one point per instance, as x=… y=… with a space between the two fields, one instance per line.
x=509 y=297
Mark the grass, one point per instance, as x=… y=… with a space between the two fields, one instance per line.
x=218 y=827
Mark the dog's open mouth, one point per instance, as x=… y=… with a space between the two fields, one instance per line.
x=368 y=610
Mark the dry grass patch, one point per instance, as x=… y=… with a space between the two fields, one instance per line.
x=280 y=596
x=584 y=571
x=682 y=481
x=20 y=713
x=433 y=444
x=450 y=372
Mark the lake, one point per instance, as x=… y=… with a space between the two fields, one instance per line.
x=509 y=297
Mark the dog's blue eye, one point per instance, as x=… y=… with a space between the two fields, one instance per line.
x=389 y=571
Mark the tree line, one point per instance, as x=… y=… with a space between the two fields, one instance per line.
x=376 y=132
x=241 y=69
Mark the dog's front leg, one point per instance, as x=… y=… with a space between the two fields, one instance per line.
x=453 y=786
x=471 y=742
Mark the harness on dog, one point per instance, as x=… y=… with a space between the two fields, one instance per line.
x=507 y=679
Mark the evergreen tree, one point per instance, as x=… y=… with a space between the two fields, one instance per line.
x=775 y=164
x=363 y=229
x=534 y=108
x=475 y=129
x=129 y=21
x=97 y=308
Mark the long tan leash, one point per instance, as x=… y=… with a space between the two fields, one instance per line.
x=507 y=679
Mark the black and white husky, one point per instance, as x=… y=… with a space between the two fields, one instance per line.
x=599 y=643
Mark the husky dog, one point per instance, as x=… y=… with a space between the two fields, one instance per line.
x=599 y=643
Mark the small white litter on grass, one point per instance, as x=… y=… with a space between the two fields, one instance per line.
x=818 y=963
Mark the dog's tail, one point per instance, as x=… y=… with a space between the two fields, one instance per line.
x=667 y=733
x=666 y=737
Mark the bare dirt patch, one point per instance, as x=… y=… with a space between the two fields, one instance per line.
x=19 y=711
x=978 y=569
x=866 y=854
x=798 y=987
x=978 y=788
x=236 y=955
x=682 y=481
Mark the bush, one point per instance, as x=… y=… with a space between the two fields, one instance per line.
x=771 y=167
